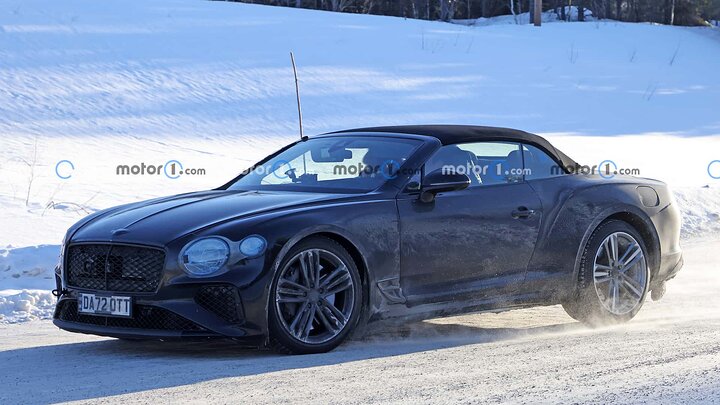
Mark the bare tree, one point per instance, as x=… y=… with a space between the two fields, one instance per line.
x=512 y=10
x=31 y=163
x=675 y=12
x=367 y=6
x=447 y=9
x=581 y=10
x=531 y=10
x=672 y=13
x=340 y=5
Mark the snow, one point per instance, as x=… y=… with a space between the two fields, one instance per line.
x=29 y=264
x=209 y=84
x=29 y=269
x=27 y=305
x=669 y=354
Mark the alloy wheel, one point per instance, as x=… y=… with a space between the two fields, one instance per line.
x=314 y=296
x=620 y=273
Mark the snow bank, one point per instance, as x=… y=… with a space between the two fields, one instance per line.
x=27 y=305
x=28 y=267
x=26 y=279
x=701 y=213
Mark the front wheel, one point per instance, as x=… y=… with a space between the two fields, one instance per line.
x=315 y=299
x=614 y=276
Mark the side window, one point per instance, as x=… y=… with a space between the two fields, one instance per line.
x=485 y=163
x=539 y=165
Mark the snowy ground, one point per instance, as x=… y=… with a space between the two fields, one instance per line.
x=669 y=354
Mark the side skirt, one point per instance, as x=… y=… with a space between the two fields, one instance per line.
x=451 y=308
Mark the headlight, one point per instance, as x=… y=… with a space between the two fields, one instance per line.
x=252 y=246
x=204 y=257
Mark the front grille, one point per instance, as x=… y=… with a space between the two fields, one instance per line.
x=222 y=300
x=120 y=268
x=144 y=317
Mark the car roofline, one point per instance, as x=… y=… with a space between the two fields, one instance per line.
x=396 y=135
x=457 y=134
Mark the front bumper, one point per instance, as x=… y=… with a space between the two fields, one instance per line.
x=670 y=266
x=167 y=303
x=129 y=333
x=232 y=305
x=202 y=311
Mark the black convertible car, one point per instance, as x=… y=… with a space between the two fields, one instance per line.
x=345 y=228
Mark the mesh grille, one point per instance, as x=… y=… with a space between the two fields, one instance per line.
x=145 y=317
x=114 y=267
x=222 y=300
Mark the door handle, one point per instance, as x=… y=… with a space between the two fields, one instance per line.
x=522 y=212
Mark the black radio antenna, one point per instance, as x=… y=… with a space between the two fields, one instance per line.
x=297 y=95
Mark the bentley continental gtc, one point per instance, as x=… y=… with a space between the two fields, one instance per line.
x=338 y=230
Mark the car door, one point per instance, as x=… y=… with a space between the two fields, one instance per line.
x=474 y=242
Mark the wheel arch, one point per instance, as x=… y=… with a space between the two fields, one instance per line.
x=351 y=248
x=363 y=269
x=638 y=221
x=344 y=241
x=647 y=231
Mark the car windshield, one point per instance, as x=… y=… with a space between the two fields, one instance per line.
x=334 y=164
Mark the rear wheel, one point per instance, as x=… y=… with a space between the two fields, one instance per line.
x=316 y=298
x=614 y=276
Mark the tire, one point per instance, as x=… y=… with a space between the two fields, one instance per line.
x=613 y=283
x=306 y=316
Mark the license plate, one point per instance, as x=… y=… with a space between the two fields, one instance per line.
x=92 y=304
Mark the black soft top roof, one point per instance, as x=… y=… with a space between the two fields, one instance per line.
x=452 y=134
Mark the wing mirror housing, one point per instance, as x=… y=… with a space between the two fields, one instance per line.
x=441 y=182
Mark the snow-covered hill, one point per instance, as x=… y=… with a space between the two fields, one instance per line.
x=102 y=84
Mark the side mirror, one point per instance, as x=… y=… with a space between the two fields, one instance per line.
x=439 y=182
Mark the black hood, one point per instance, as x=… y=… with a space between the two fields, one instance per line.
x=166 y=219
